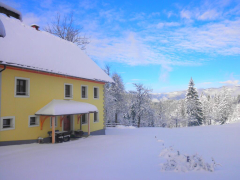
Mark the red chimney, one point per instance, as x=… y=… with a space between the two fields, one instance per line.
x=35 y=26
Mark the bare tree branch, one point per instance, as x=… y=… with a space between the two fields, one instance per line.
x=65 y=29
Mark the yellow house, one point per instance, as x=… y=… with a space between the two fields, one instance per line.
x=46 y=84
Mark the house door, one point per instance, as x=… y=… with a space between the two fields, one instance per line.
x=67 y=123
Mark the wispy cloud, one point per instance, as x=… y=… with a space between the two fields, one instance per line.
x=186 y=14
x=164 y=72
x=115 y=37
x=230 y=82
x=167 y=24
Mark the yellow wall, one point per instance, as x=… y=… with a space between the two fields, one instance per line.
x=43 y=89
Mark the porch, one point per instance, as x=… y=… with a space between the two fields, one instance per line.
x=67 y=111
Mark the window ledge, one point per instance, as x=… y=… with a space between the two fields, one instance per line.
x=20 y=96
x=33 y=125
x=68 y=97
x=5 y=129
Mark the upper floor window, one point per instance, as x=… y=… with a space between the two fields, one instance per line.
x=68 y=91
x=22 y=87
x=84 y=90
x=95 y=92
x=7 y=123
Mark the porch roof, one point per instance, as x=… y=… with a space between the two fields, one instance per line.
x=66 y=107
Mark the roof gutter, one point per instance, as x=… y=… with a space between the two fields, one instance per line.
x=49 y=72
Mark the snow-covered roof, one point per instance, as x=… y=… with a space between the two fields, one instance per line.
x=26 y=47
x=11 y=9
x=66 y=107
x=2 y=29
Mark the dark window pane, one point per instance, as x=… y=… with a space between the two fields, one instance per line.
x=95 y=92
x=33 y=121
x=6 y=123
x=84 y=119
x=83 y=92
x=95 y=117
x=67 y=91
x=21 y=87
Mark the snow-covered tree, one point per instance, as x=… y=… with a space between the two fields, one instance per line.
x=193 y=106
x=225 y=105
x=117 y=91
x=141 y=104
x=207 y=107
x=114 y=101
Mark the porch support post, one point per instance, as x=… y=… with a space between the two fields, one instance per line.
x=53 y=129
x=81 y=121
x=89 y=124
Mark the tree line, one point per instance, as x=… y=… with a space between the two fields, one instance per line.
x=135 y=108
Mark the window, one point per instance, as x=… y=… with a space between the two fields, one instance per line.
x=22 y=87
x=95 y=117
x=33 y=121
x=68 y=91
x=95 y=92
x=7 y=123
x=84 y=119
x=51 y=122
x=84 y=92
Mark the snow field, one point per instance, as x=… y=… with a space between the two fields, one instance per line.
x=126 y=153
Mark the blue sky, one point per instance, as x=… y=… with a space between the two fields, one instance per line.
x=161 y=44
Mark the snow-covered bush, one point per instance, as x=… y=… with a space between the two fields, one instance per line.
x=182 y=163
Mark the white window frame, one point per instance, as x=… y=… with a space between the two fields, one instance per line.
x=97 y=92
x=37 y=120
x=86 y=91
x=27 y=88
x=13 y=123
x=71 y=91
x=56 y=122
x=97 y=118
x=86 y=116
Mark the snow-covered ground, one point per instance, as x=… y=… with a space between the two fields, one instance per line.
x=126 y=153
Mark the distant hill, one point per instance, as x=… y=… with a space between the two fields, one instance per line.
x=235 y=90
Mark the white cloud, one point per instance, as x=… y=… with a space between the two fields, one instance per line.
x=167 y=24
x=185 y=14
x=164 y=72
x=230 y=82
x=221 y=38
x=208 y=15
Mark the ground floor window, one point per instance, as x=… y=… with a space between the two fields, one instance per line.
x=33 y=121
x=95 y=119
x=7 y=123
x=84 y=119
x=51 y=122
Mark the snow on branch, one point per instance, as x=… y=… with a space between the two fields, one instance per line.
x=178 y=162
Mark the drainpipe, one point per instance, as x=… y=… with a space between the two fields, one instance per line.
x=1 y=86
x=3 y=68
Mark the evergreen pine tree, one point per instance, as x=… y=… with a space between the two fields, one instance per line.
x=193 y=105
